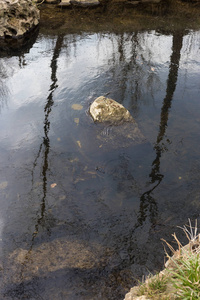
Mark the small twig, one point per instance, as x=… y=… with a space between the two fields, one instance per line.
x=170 y=246
x=192 y=236
x=178 y=242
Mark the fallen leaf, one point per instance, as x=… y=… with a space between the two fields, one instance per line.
x=79 y=144
x=53 y=185
x=79 y=179
x=72 y=160
x=76 y=106
x=92 y=172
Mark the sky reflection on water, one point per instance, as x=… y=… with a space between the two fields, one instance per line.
x=82 y=218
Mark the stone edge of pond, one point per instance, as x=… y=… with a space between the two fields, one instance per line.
x=121 y=7
x=18 y=18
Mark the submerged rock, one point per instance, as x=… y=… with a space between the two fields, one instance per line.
x=17 y=17
x=121 y=136
x=119 y=127
x=108 y=110
x=50 y=257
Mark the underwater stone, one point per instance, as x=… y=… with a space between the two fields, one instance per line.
x=118 y=128
x=108 y=110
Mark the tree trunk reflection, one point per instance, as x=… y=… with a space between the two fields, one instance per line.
x=147 y=201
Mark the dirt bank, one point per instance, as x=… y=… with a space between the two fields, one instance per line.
x=119 y=16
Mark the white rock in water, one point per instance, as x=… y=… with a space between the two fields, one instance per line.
x=108 y=110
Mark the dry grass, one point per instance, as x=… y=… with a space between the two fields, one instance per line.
x=181 y=278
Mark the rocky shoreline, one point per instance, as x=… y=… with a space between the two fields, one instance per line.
x=173 y=277
x=18 y=18
x=138 y=4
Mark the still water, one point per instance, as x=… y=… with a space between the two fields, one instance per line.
x=82 y=212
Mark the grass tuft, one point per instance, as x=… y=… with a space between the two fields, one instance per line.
x=186 y=276
x=181 y=278
x=153 y=287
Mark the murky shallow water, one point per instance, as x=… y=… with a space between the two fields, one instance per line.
x=82 y=213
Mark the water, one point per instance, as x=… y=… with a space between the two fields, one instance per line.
x=82 y=213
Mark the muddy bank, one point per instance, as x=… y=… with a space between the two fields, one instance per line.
x=119 y=16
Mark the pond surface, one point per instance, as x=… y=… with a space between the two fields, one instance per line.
x=83 y=211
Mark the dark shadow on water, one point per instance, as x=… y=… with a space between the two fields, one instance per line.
x=93 y=283
x=17 y=47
